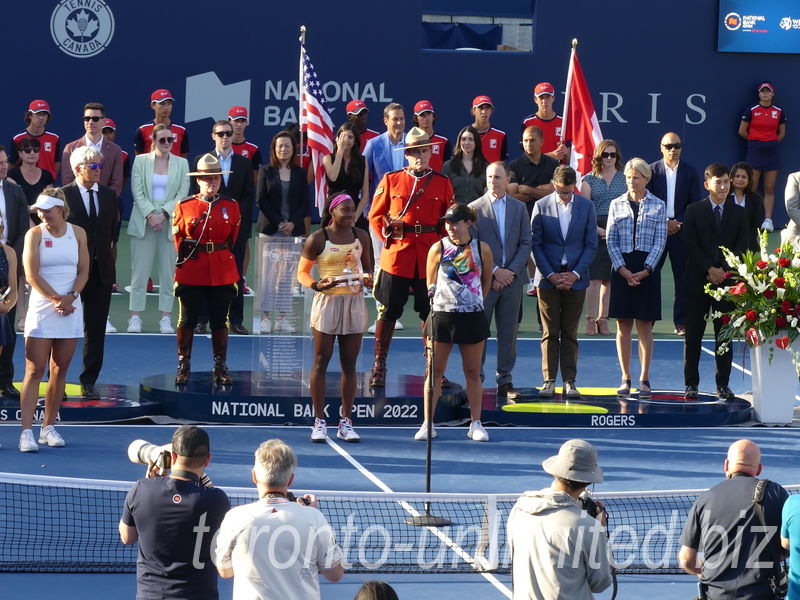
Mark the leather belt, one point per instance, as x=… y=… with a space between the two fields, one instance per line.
x=420 y=228
x=213 y=246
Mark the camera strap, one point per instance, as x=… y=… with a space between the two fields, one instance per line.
x=758 y=497
x=185 y=475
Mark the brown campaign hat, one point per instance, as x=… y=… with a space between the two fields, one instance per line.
x=208 y=165
x=415 y=138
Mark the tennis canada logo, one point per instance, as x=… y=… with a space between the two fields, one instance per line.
x=177 y=499
x=733 y=21
x=82 y=28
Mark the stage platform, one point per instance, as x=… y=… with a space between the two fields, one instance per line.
x=288 y=402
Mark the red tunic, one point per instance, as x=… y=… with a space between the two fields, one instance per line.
x=207 y=268
x=408 y=257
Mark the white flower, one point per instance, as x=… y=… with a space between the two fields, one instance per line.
x=742 y=270
x=781 y=292
x=738 y=322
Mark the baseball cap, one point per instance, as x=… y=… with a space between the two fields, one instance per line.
x=766 y=84
x=423 y=106
x=544 y=88
x=482 y=100
x=356 y=106
x=190 y=441
x=577 y=461
x=110 y=124
x=39 y=106
x=457 y=212
x=161 y=95
x=238 y=112
x=44 y=202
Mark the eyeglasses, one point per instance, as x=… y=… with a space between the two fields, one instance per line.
x=564 y=195
x=95 y=119
x=608 y=154
x=671 y=146
x=221 y=134
x=94 y=166
x=164 y=140
x=30 y=150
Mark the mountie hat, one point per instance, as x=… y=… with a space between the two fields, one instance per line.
x=160 y=95
x=415 y=138
x=577 y=461
x=110 y=124
x=423 y=106
x=356 y=106
x=544 y=88
x=208 y=165
x=482 y=100
x=191 y=442
x=238 y=112
x=39 y=106
x=456 y=213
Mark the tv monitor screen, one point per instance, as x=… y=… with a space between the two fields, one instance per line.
x=768 y=26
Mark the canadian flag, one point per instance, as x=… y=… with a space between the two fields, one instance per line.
x=581 y=126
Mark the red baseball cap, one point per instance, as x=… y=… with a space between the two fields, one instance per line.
x=544 y=88
x=160 y=95
x=238 y=112
x=423 y=106
x=39 y=106
x=110 y=124
x=482 y=100
x=356 y=106
x=767 y=85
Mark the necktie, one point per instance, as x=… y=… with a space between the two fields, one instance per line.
x=718 y=217
x=92 y=209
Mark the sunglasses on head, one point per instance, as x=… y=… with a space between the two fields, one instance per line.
x=164 y=140
x=30 y=150
x=608 y=155
x=95 y=119
x=671 y=146
x=223 y=133
x=94 y=166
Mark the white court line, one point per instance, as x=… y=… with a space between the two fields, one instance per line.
x=450 y=543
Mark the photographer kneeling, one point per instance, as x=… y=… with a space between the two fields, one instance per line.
x=557 y=536
x=174 y=519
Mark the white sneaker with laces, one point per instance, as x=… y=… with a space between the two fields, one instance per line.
x=422 y=434
x=49 y=437
x=346 y=431
x=265 y=326
x=284 y=325
x=477 y=433
x=767 y=225
x=26 y=442
x=135 y=324
x=531 y=288
x=165 y=324
x=319 y=432
x=109 y=327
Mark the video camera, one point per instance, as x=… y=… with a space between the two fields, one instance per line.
x=157 y=458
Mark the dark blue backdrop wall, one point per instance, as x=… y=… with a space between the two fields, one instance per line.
x=649 y=70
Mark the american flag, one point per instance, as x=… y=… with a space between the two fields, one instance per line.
x=316 y=124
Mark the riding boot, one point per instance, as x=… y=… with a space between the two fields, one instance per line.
x=383 y=337
x=185 y=340
x=219 y=344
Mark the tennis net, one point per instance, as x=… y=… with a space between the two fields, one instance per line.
x=55 y=524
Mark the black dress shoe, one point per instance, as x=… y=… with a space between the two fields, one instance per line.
x=200 y=328
x=89 y=391
x=507 y=391
x=8 y=390
x=238 y=329
x=691 y=392
x=724 y=392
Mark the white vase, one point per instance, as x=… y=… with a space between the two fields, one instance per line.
x=774 y=384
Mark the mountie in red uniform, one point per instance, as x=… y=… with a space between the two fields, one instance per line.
x=215 y=227
x=143 y=140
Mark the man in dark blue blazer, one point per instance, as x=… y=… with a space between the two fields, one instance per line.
x=677 y=184
x=564 y=242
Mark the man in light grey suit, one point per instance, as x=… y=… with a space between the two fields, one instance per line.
x=503 y=225
x=564 y=234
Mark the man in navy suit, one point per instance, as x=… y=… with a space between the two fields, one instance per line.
x=676 y=183
x=564 y=240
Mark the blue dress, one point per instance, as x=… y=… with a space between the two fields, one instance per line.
x=602 y=195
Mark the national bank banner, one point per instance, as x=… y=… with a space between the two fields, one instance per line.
x=769 y=26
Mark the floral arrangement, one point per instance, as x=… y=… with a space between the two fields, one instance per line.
x=766 y=295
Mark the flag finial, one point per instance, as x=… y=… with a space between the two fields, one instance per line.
x=303 y=29
x=574 y=43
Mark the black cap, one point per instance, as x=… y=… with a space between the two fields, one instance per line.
x=458 y=212
x=190 y=441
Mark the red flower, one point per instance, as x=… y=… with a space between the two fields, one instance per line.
x=783 y=342
x=761 y=264
x=780 y=282
x=769 y=294
x=751 y=316
x=739 y=288
x=786 y=307
x=752 y=336
x=784 y=262
x=725 y=319
x=780 y=321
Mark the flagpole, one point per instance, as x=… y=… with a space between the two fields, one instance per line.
x=300 y=89
x=567 y=91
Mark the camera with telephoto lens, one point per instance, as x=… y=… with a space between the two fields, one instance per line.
x=141 y=452
x=591 y=507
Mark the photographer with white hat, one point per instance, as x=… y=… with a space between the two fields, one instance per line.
x=557 y=536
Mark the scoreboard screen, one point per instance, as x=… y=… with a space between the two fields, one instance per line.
x=767 y=26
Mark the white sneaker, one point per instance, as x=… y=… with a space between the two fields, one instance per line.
x=422 y=434
x=284 y=325
x=109 y=327
x=767 y=225
x=398 y=326
x=49 y=437
x=26 y=442
x=165 y=324
x=531 y=288
x=265 y=326
x=135 y=324
x=346 y=431
x=371 y=328
x=319 y=432
x=477 y=433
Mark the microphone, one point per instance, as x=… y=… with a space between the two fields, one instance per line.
x=431 y=290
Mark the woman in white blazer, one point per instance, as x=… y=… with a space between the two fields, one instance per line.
x=159 y=180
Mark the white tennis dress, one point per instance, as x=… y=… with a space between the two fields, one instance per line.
x=58 y=266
